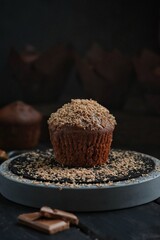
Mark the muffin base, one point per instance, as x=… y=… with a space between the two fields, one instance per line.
x=81 y=148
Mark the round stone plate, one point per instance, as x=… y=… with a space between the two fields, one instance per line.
x=122 y=194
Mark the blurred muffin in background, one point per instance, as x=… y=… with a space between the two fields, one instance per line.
x=41 y=76
x=20 y=126
x=147 y=67
x=106 y=76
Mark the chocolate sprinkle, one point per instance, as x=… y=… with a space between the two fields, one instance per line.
x=41 y=166
x=82 y=113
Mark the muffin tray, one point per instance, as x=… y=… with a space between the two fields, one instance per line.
x=91 y=197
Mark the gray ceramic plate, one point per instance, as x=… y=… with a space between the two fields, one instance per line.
x=120 y=195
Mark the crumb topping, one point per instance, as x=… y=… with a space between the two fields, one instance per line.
x=41 y=166
x=83 y=113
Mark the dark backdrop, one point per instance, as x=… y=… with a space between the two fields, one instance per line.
x=127 y=25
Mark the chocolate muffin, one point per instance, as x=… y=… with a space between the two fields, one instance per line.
x=81 y=133
x=104 y=75
x=147 y=67
x=20 y=126
x=40 y=76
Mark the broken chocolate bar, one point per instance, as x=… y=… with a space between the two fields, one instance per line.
x=37 y=221
x=59 y=214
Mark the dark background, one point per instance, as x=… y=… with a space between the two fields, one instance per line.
x=129 y=26
x=126 y=25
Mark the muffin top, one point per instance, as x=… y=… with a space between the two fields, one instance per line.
x=82 y=113
x=19 y=112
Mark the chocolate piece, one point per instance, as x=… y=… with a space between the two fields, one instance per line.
x=36 y=221
x=3 y=155
x=59 y=214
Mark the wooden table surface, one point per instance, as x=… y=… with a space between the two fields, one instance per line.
x=137 y=223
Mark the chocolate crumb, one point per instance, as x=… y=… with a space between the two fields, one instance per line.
x=83 y=113
x=41 y=166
